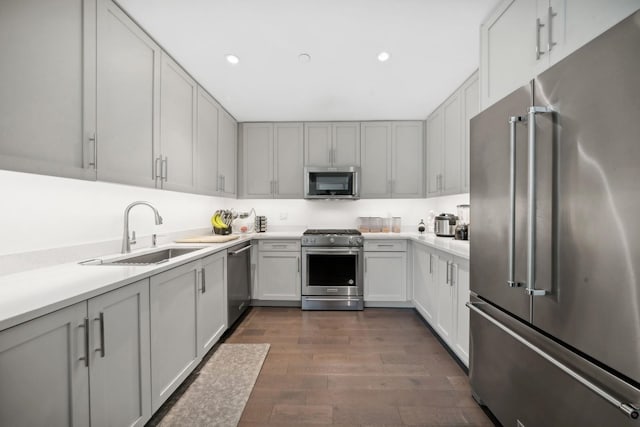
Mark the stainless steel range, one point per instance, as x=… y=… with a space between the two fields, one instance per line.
x=332 y=270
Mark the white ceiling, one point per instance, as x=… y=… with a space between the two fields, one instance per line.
x=434 y=46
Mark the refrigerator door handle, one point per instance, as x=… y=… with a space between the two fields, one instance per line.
x=511 y=281
x=628 y=408
x=531 y=204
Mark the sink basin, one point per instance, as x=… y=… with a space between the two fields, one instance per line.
x=155 y=257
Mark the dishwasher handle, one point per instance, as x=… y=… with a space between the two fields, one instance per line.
x=246 y=248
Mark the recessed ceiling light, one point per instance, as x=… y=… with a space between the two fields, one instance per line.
x=232 y=59
x=384 y=56
x=304 y=58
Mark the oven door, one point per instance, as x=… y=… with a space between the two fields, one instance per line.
x=332 y=271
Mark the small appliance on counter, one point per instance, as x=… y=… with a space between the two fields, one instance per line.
x=261 y=224
x=444 y=225
x=462 y=226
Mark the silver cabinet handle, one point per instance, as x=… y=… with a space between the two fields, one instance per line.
x=628 y=408
x=94 y=141
x=203 y=280
x=299 y=262
x=100 y=319
x=218 y=182
x=539 y=25
x=454 y=268
x=158 y=168
x=531 y=204
x=550 y=16
x=246 y=248
x=224 y=183
x=430 y=264
x=384 y=246
x=511 y=281
x=447 y=279
x=165 y=169
x=85 y=326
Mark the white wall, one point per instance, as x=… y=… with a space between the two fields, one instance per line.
x=41 y=212
x=345 y=213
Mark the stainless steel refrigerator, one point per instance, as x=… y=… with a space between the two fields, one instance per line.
x=555 y=242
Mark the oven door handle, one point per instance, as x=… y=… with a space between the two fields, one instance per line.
x=321 y=251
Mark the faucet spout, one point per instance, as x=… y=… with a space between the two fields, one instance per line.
x=126 y=242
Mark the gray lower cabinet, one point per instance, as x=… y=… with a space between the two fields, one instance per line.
x=227 y=155
x=44 y=381
x=128 y=99
x=385 y=270
x=175 y=164
x=332 y=144
x=48 y=363
x=424 y=277
x=392 y=159
x=174 y=341
x=120 y=368
x=272 y=156
x=47 y=90
x=212 y=301
x=279 y=265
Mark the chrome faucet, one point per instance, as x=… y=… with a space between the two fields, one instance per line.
x=126 y=241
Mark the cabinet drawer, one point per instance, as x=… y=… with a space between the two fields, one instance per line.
x=279 y=245
x=385 y=245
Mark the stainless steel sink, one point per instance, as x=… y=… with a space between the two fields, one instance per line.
x=155 y=257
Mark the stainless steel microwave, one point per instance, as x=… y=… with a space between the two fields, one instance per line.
x=332 y=183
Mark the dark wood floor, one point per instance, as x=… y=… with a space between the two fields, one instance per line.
x=377 y=367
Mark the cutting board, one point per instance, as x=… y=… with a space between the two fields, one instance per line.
x=208 y=239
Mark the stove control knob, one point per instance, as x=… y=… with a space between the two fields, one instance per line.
x=332 y=240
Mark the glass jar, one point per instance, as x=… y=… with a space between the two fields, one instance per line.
x=396 y=224
x=375 y=224
x=386 y=225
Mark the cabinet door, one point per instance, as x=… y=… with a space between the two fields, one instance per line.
x=120 y=365
x=445 y=317
x=579 y=21
x=207 y=180
x=127 y=98
x=471 y=104
x=257 y=146
x=279 y=276
x=47 y=90
x=177 y=126
x=385 y=276
x=424 y=290
x=407 y=160
x=375 y=160
x=346 y=144
x=288 y=167
x=212 y=301
x=461 y=275
x=227 y=154
x=44 y=381
x=317 y=144
x=174 y=343
x=435 y=134
x=452 y=148
x=508 y=62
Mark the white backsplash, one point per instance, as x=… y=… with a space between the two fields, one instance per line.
x=45 y=219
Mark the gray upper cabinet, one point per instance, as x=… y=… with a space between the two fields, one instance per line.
x=257 y=166
x=407 y=159
x=178 y=103
x=392 y=160
x=332 y=144
x=127 y=99
x=47 y=90
x=227 y=154
x=376 y=160
x=272 y=156
x=207 y=181
x=448 y=141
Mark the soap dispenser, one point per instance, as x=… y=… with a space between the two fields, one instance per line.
x=421 y=226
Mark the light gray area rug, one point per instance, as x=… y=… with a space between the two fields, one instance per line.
x=219 y=394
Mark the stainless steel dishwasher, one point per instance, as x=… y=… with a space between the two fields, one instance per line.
x=238 y=281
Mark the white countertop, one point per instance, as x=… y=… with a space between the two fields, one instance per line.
x=33 y=293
